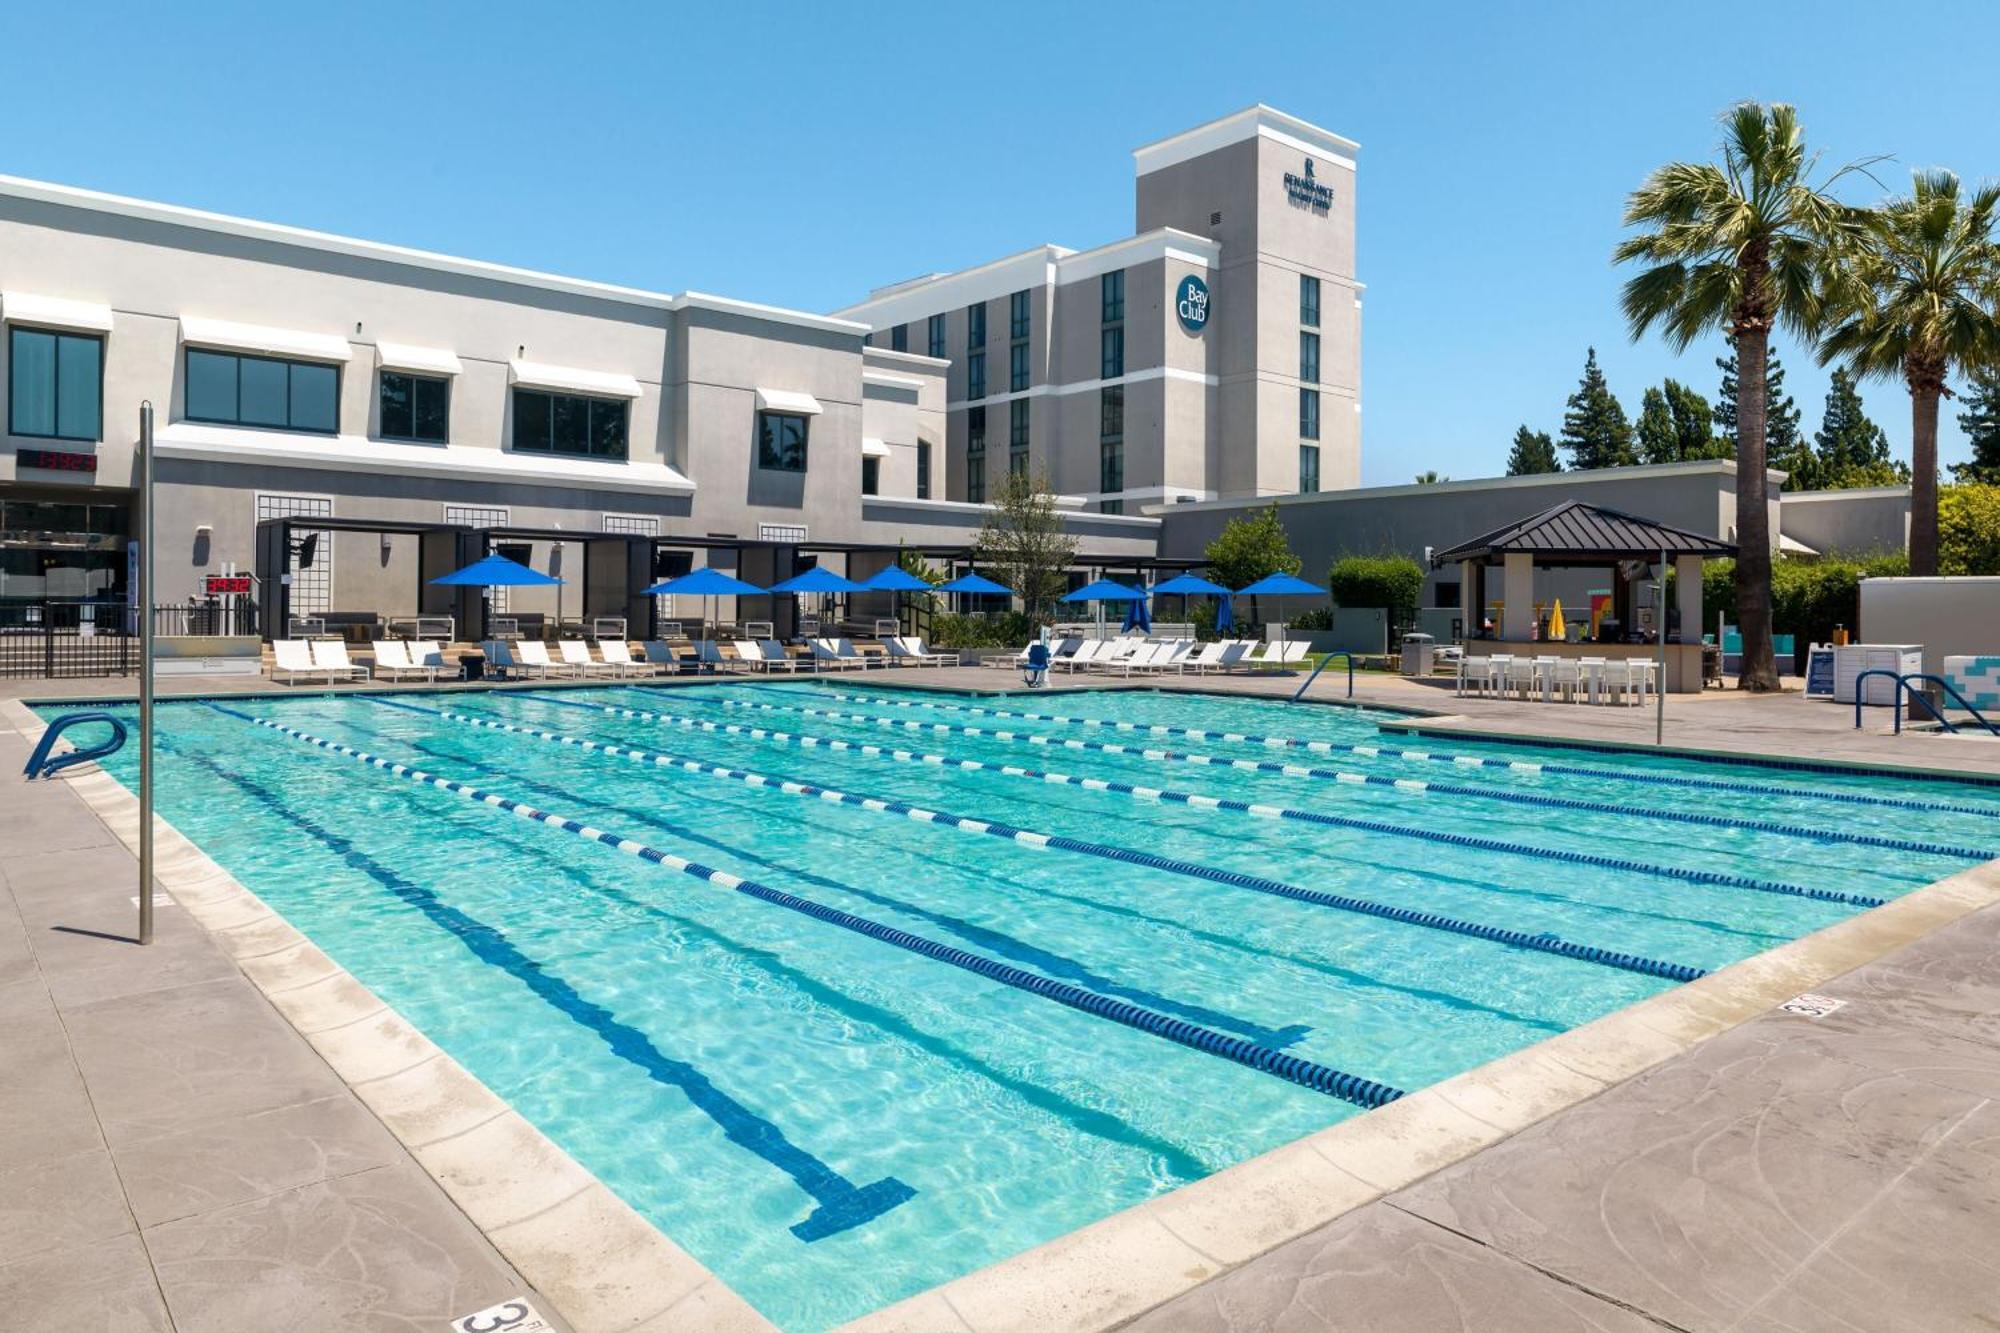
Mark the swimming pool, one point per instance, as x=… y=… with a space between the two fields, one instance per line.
x=851 y=990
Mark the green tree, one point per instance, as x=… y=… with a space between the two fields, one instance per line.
x=1915 y=296
x=1654 y=436
x=1850 y=450
x=1022 y=542
x=1249 y=548
x=1981 y=423
x=1430 y=478
x=1738 y=246
x=1969 y=530
x=1595 y=430
x=1784 y=422
x=1533 y=453
x=1675 y=426
x=1393 y=582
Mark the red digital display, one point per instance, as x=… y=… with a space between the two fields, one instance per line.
x=52 y=460
x=217 y=584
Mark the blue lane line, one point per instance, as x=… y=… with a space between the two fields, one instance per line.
x=1546 y=942
x=1449 y=757
x=1261 y=952
x=1174 y=1159
x=994 y=941
x=1333 y=1082
x=841 y=1204
x=1199 y=801
x=1411 y=785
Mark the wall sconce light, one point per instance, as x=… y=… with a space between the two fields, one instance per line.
x=204 y=529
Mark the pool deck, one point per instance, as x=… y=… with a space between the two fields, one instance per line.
x=181 y=1157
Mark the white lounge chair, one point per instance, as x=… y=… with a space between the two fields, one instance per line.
x=901 y=653
x=618 y=654
x=933 y=656
x=292 y=658
x=330 y=656
x=661 y=654
x=429 y=654
x=392 y=661
x=1139 y=659
x=1173 y=659
x=534 y=655
x=777 y=659
x=1087 y=652
x=576 y=653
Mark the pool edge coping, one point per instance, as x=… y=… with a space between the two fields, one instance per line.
x=601 y=1265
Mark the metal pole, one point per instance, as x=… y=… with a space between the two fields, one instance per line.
x=146 y=673
x=1660 y=694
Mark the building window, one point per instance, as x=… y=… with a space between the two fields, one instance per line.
x=1309 y=357
x=1017 y=315
x=1017 y=367
x=415 y=407
x=1309 y=414
x=561 y=423
x=262 y=391
x=1017 y=437
x=1308 y=301
x=1111 y=466
x=1110 y=506
x=781 y=441
x=1112 y=353
x=936 y=331
x=1111 y=288
x=871 y=476
x=56 y=386
x=975 y=375
x=975 y=325
x=1111 y=412
x=923 y=469
x=1308 y=468
x=899 y=338
x=975 y=455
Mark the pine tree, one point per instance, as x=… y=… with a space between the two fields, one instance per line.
x=1656 y=440
x=1785 y=446
x=1533 y=453
x=1981 y=423
x=1694 y=436
x=1595 y=430
x=1850 y=450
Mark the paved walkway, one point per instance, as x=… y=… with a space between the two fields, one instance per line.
x=173 y=1155
x=1793 y=1175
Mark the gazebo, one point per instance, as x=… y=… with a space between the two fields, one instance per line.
x=1574 y=535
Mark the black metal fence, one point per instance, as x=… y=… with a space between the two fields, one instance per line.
x=61 y=639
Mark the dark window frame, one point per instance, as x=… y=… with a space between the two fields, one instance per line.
x=1111 y=297
x=975 y=455
x=1309 y=364
x=1111 y=352
x=1019 y=371
x=381 y=406
x=13 y=377
x=1308 y=453
x=975 y=326
x=1020 y=315
x=1309 y=303
x=1020 y=433
x=975 y=375
x=899 y=338
x=591 y=405
x=871 y=475
x=934 y=337
x=1309 y=418
x=805 y=442
x=289 y=363
x=923 y=469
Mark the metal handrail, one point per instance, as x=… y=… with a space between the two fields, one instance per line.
x=1904 y=683
x=1347 y=657
x=41 y=765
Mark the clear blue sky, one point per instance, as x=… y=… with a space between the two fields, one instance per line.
x=801 y=154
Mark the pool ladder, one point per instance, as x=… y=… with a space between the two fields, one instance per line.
x=1908 y=684
x=1323 y=663
x=42 y=764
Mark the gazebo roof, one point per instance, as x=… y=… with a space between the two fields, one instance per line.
x=1581 y=532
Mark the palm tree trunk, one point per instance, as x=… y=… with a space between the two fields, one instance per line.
x=1924 y=394
x=1753 y=515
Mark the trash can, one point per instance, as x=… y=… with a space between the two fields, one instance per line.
x=1419 y=651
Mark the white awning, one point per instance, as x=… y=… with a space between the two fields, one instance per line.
x=258 y=338
x=54 y=312
x=873 y=448
x=1792 y=546
x=535 y=375
x=787 y=400
x=422 y=360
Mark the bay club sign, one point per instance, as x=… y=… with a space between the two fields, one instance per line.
x=1306 y=190
x=1191 y=303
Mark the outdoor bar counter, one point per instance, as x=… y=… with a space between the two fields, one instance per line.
x=1683 y=659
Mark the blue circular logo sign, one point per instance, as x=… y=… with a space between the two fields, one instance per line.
x=1191 y=303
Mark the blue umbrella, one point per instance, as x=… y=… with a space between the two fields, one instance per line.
x=1281 y=585
x=1104 y=590
x=895 y=579
x=496 y=571
x=1225 y=614
x=1187 y=585
x=975 y=583
x=1137 y=618
x=705 y=583
x=818 y=579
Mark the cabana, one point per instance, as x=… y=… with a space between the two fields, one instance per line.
x=1576 y=535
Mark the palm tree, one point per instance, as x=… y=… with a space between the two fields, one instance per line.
x=1431 y=478
x=1739 y=246
x=1916 y=297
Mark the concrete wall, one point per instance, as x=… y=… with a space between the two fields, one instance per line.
x=1855 y=522
x=1950 y=617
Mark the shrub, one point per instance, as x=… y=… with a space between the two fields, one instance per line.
x=1249 y=548
x=1969 y=530
x=1394 y=583
x=1808 y=597
x=1009 y=629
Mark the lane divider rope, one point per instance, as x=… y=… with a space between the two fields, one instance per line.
x=1426 y=756
x=1413 y=786
x=1715 y=878
x=1363 y=1092
x=1545 y=942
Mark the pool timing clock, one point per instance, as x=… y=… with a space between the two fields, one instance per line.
x=55 y=460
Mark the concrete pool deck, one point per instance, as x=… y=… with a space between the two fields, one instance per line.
x=1705 y=1163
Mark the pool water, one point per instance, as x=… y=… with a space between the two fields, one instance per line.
x=954 y=990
